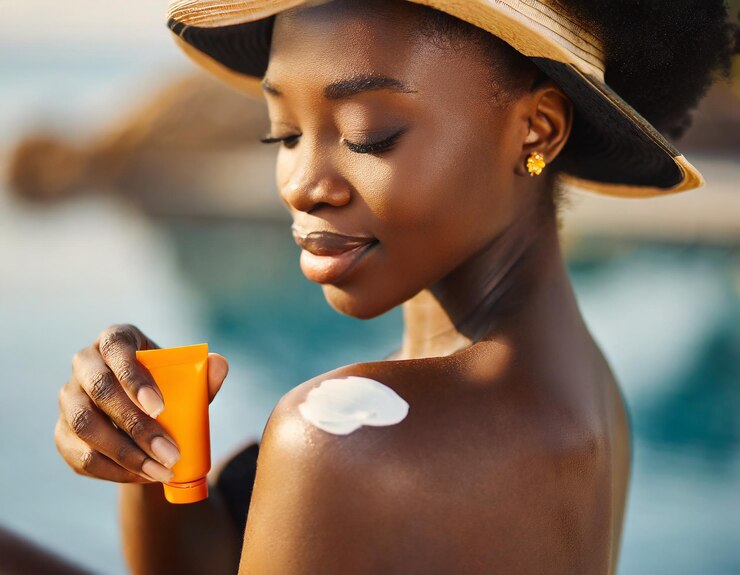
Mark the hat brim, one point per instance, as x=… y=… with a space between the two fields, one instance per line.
x=612 y=149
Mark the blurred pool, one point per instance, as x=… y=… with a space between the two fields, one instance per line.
x=667 y=317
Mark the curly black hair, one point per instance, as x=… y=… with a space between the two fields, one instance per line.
x=661 y=55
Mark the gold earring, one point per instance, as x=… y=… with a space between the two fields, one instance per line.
x=535 y=163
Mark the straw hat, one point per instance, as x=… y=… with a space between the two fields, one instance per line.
x=614 y=150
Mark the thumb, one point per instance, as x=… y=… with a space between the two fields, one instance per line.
x=218 y=367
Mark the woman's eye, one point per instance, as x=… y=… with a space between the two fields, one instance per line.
x=374 y=147
x=288 y=141
x=357 y=147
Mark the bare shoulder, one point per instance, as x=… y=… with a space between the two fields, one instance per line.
x=481 y=475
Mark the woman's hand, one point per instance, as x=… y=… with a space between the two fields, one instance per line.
x=107 y=426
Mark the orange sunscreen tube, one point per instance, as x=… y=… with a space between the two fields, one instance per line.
x=181 y=373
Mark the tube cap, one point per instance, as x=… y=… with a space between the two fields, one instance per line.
x=190 y=492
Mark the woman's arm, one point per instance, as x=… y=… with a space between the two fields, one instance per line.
x=161 y=537
x=204 y=537
x=107 y=429
x=319 y=504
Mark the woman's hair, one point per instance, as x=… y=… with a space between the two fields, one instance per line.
x=661 y=55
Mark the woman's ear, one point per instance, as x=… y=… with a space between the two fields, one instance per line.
x=550 y=120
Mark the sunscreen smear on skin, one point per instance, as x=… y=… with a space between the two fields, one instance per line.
x=341 y=406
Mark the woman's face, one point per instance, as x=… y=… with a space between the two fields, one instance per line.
x=392 y=137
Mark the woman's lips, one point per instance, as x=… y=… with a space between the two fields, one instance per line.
x=327 y=256
x=329 y=243
x=331 y=268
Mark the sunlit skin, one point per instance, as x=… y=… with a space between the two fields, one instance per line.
x=451 y=186
x=514 y=456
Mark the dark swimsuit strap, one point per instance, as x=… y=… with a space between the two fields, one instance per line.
x=235 y=482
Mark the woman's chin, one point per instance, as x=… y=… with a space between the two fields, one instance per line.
x=355 y=305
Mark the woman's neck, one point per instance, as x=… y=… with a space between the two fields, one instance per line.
x=510 y=275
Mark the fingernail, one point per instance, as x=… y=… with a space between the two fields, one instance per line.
x=150 y=401
x=165 y=451
x=156 y=471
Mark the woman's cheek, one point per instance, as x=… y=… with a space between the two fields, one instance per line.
x=401 y=193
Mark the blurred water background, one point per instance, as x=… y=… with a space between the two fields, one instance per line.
x=186 y=241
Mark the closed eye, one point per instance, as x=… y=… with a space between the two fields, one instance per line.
x=356 y=147
x=374 y=147
x=288 y=141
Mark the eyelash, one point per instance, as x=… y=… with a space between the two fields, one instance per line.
x=288 y=141
x=371 y=148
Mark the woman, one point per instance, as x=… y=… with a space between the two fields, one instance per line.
x=419 y=158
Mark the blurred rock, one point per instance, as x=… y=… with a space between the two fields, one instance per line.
x=42 y=168
x=192 y=149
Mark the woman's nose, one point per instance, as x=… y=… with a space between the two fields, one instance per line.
x=312 y=184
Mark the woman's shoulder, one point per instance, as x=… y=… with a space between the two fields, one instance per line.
x=459 y=466
x=484 y=393
x=455 y=407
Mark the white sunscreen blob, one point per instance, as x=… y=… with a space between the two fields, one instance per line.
x=340 y=406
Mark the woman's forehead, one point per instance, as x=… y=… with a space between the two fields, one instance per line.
x=346 y=38
x=375 y=24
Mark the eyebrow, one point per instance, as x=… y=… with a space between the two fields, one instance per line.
x=347 y=87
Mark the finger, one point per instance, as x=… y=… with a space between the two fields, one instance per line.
x=88 y=462
x=218 y=369
x=117 y=346
x=89 y=424
x=102 y=387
